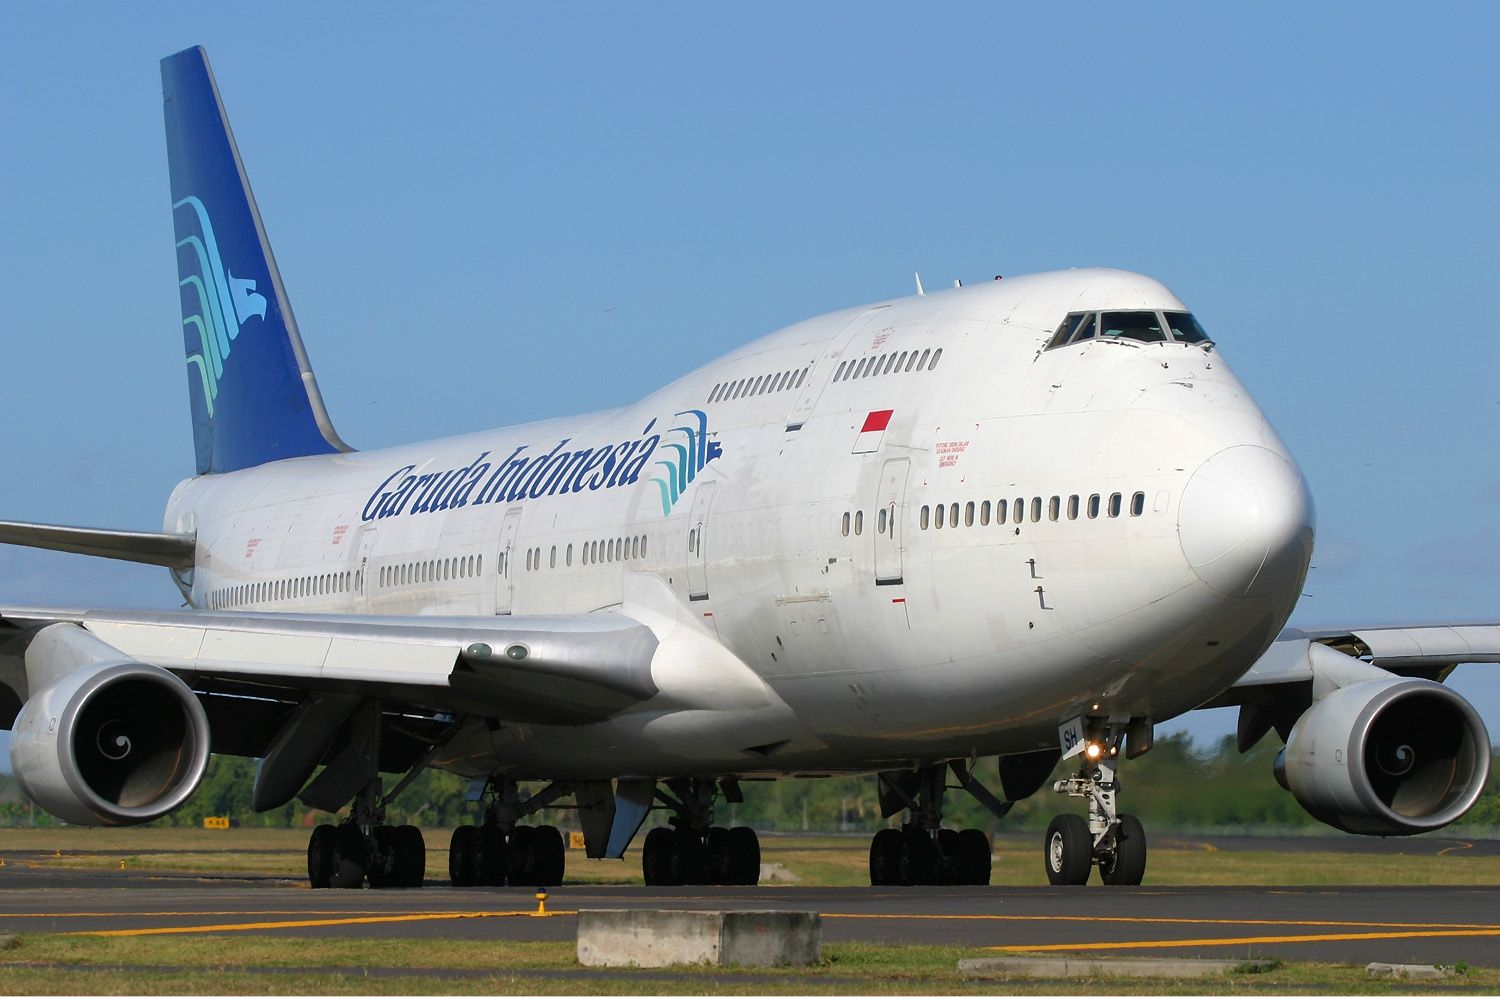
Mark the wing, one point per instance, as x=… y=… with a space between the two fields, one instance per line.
x=1306 y=663
x=539 y=669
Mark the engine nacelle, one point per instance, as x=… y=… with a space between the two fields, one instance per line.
x=112 y=744
x=1387 y=756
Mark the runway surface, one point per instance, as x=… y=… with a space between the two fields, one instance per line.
x=1342 y=924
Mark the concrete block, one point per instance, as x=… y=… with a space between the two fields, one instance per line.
x=699 y=937
x=1408 y=971
x=1052 y=967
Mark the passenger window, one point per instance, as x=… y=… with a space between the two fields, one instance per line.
x=885 y=368
x=838 y=375
x=801 y=376
x=925 y=517
x=552 y=558
x=859 y=522
x=1094 y=506
x=984 y=513
x=969 y=514
x=1018 y=511
x=1114 y=505
x=1137 y=503
x=922 y=361
x=911 y=361
x=880 y=523
x=846 y=524
x=936 y=356
x=1000 y=510
x=1072 y=506
x=1144 y=327
x=860 y=370
x=953 y=514
x=1036 y=509
x=938 y=522
x=1054 y=508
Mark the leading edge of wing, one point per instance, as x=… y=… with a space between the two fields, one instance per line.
x=170 y=550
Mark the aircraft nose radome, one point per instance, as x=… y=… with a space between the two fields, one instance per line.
x=1246 y=522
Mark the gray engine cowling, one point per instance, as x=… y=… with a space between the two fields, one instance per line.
x=1387 y=756
x=111 y=744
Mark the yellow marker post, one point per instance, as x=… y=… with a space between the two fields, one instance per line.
x=541 y=902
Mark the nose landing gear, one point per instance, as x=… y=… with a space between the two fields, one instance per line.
x=1113 y=841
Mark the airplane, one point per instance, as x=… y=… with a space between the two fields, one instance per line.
x=1026 y=519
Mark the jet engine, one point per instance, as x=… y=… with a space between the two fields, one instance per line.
x=1387 y=756
x=112 y=744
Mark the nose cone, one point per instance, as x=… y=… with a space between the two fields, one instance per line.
x=1246 y=522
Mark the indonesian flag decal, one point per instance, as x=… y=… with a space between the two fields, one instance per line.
x=872 y=432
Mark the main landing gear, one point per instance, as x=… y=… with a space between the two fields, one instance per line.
x=343 y=856
x=692 y=852
x=502 y=852
x=1113 y=841
x=923 y=852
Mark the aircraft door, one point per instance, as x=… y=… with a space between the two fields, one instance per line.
x=364 y=551
x=697 y=541
x=818 y=376
x=504 y=586
x=890 y=521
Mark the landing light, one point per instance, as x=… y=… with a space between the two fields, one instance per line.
x=1093 y=751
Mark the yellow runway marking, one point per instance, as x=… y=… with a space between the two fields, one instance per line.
x=1099 y=919
x=1456 y=848
x=188 y=929
x=1183 y=943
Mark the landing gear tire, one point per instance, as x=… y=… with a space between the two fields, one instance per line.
x=411 y=857
x=689 y=857
x=491 y=856
x=1125 y=865
x=917 y=861
x=349 y=858
x=320 y=857
x=973 y=858
x=744 y=851
x=719 y=869
x=656 y=857
x=551 y=857
x=1068 y=852
x=463 y=856
x=885 y=858
x=520 y=866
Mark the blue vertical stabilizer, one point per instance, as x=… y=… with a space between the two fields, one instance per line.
x=253 y=393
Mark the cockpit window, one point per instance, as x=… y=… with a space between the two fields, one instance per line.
x=1144 y=327
x=1135 y=326
x=1078 y=325
x=1185 y=328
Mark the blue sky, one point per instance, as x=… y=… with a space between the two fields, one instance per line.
x=486 y=214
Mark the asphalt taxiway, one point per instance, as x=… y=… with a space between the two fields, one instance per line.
x=1334 y=924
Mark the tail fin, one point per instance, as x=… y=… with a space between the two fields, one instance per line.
x=252 y=389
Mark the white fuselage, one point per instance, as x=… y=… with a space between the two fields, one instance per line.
x=1161 y=542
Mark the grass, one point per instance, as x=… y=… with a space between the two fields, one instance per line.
x=47 y=964
x=802 y=859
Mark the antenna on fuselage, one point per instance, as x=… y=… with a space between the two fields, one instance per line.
x=919 y=283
